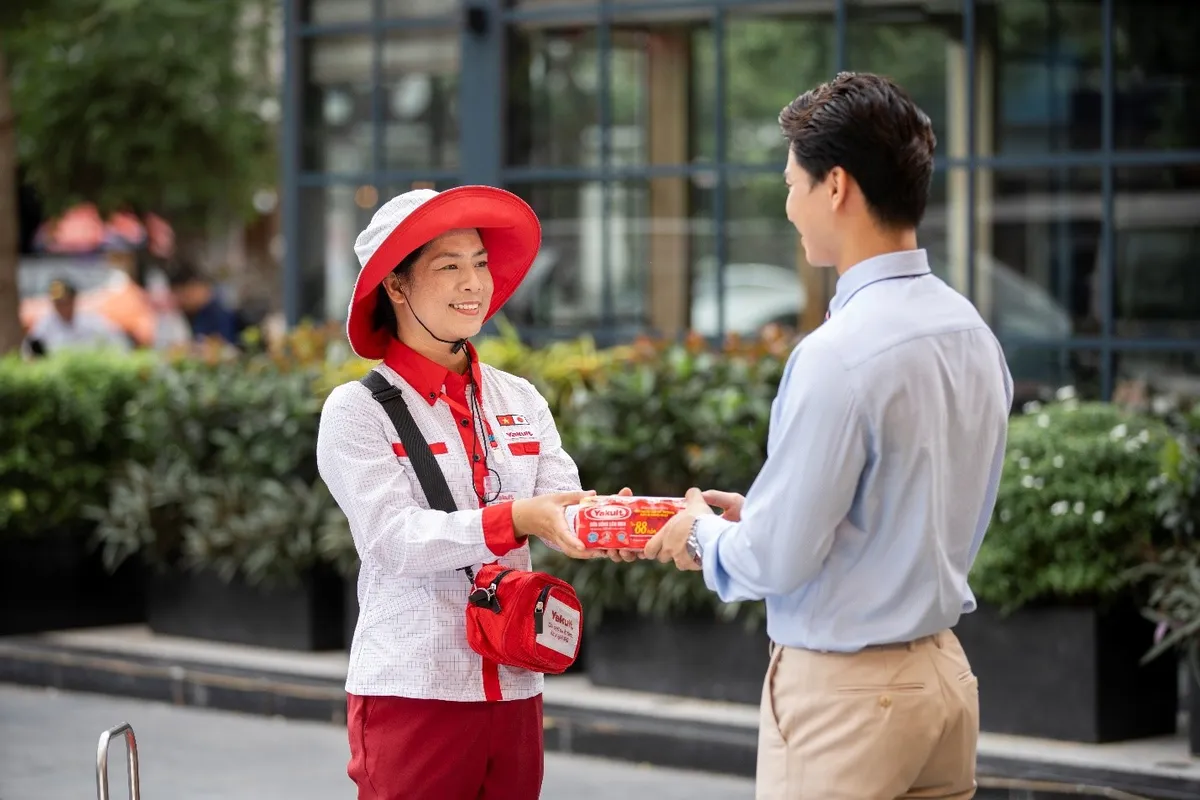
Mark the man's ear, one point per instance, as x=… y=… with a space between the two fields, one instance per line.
x=838 y=185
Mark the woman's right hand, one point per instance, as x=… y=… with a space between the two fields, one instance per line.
x=545 y=517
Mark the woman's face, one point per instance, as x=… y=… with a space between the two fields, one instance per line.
x=449 y=288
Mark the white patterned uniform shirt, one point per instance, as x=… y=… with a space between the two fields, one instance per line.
x=410 y=640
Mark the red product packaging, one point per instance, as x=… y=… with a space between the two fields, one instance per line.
x=618 y=521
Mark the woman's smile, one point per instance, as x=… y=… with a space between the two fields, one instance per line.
x=470 y=309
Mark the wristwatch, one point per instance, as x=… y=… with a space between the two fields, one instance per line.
x=693 y=545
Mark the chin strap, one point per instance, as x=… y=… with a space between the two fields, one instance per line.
x=456 y=345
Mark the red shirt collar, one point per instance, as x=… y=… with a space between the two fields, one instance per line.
x=427 y=376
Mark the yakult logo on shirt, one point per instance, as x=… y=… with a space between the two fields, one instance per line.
x=509 y=420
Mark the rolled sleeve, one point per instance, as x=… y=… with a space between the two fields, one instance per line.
x=498 y=530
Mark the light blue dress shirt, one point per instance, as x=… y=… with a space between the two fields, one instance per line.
x=884 y=454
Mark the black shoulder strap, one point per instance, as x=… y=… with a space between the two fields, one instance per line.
x=433 y=482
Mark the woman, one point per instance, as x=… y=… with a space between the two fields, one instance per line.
x=427 y=717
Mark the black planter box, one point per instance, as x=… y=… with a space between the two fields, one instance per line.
x=1193 y=707
x=200 y=605
x=702 y=658
x=1070 y=673
x=56 y=580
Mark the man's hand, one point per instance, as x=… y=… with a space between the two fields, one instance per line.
x=730 y=503
x=670 y=543
x=545 y=517
x=622 y=554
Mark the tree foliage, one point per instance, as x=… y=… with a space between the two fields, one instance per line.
x=146 y=105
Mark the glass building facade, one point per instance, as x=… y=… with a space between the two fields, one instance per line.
x=1066 y=200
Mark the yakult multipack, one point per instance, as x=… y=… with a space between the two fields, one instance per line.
x=618 y=521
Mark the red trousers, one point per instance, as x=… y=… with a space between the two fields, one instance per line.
x=403 y=748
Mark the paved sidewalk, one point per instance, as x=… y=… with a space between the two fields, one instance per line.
x=580 y=718
x=48 y=746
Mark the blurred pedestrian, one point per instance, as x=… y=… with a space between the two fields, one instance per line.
x=66 y=326
x=884 y=454
x=428 y=717
x=205 y=311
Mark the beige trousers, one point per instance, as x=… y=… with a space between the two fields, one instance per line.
x=896 y=721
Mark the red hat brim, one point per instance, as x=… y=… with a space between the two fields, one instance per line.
x=507 y=225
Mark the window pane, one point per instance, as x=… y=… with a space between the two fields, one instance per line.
x=763 y=279
x=1139 y=373
x=1039 y=372
x=420 y=8
x=655 y=87
x=331 y=217
x=337 y=134
x=943 y=212
x=553 y=109
x=1047 y=74
x=565 y=286
x=648 y=246
x=1038 y=252
x=1157 y=61
x=1157 y=246
x=910 y=47
x=420 y=97
x=333 y=12
x=769 y=61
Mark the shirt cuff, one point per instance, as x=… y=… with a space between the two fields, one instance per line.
x=709 y=529
x=498 y=531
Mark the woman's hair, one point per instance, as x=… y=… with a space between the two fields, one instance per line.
x=384 y=316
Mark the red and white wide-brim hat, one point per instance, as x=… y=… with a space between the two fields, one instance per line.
x=507 y=225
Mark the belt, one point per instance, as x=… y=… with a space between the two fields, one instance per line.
x=934 y=639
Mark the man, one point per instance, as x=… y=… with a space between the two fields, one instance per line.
x=207 y=315
x=66 y=326
x=885 y=448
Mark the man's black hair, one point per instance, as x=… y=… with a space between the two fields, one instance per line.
x=871 y=128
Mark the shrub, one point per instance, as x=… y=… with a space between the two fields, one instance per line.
x=1079 y=504
x=223 y=472
x=60 y=437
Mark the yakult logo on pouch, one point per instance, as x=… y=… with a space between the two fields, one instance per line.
x=509 y=420
x=607 y=512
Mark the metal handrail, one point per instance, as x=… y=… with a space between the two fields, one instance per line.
x=135 y=791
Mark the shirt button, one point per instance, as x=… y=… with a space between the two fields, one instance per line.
x=465 y=422
x=885 y=701
x=476 y=456
x=433 y=395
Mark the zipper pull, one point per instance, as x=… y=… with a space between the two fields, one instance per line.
x=539 y=609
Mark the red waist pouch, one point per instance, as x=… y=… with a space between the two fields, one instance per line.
x=524 y=619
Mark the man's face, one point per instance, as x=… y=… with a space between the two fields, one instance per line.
x=192 y=296
x=810 y=211
x=65 y=306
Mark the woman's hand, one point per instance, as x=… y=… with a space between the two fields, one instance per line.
x=545 y=517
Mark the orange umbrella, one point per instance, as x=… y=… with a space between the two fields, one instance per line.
x=81 y=230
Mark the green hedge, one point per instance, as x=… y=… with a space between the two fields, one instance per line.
x=222 y=473
x=60 y=435
x=209 y=463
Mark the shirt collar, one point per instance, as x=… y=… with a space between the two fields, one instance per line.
x=425 y=375
x=902 y=264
